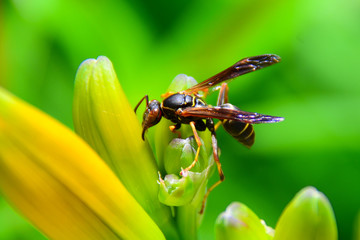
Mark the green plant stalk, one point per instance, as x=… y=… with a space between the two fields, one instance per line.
x=188 y=218
x=187 y=221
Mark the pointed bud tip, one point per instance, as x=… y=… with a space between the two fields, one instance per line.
x=239 y=222
x=91 y=61
x=181 y=82
x=88 y=61
x=312 y=194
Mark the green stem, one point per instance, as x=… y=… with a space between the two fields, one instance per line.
x=188 y=218
x=187 y=221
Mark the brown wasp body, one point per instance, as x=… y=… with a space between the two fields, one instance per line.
x=187 y=107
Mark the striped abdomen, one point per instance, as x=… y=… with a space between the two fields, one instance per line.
x=242 y=132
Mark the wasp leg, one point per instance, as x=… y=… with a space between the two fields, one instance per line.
x=222 y=98
x=217 y=125
x=223 y=94
x=198 y=142
x=218 y=165
x=173 y=129
x=147 y=102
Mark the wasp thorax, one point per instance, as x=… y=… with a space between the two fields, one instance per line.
x=152 y=115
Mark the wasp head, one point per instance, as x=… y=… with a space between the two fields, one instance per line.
x=152 y=115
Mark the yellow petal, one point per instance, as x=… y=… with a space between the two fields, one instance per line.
x=58 y=182
x=104 y=118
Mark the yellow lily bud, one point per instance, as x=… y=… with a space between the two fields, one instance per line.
x=58 y=182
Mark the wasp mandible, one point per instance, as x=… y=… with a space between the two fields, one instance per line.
x=187 y=107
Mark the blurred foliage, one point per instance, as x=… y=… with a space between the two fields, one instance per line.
x=316 y=87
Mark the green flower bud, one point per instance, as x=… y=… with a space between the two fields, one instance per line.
x=180 y=153
x=105 y=120
x=269 y=230
x=239 y=222
x=176 y=191
x=181 y=82
x=175 y=154
x=308 y=216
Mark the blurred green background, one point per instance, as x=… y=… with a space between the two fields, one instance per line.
x=316 y=87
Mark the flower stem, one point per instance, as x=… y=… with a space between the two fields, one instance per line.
x=187 y=220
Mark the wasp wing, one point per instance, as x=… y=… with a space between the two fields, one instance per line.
x=243 y=66
x=230 y=112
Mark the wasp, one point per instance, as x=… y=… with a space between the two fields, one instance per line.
x=187 y=107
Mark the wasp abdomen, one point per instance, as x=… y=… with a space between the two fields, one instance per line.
x=242 y=132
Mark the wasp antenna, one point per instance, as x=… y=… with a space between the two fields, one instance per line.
x=147 y=102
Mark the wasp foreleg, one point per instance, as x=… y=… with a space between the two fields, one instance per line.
x=198 y=142
x=173 y=129
x=218 y=164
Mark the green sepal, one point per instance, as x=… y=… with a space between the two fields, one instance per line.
x=176 y=191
